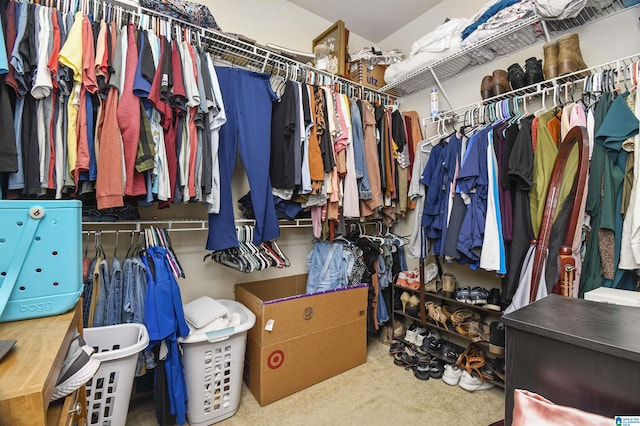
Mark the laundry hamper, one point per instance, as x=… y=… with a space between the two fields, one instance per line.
x=213 y=367
x=109 y=391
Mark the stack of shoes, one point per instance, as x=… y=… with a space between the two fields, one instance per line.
x=78 y=367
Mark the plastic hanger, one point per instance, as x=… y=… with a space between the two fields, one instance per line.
x=544 y=105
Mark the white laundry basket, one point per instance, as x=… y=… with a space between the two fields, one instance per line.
x=213 y=368
x=109 y=391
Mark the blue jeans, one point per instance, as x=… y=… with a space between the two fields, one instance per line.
x=326 y=265
x=114 y=304
x=135 y=285
x=247 y=100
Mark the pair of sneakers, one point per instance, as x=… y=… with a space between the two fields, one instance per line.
x=78 y=367
x=414 y=334
x=454 y=375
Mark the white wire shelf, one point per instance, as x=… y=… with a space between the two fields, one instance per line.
x=525 y=33
x=558 y=84
x=246 y=53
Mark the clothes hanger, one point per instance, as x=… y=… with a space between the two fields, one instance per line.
x=544 y=105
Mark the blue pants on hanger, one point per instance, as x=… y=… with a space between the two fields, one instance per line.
x=247 y=98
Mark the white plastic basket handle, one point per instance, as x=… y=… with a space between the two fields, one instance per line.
x=20 y=255
x=220 y=335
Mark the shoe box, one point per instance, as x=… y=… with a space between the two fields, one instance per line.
x=614 y=296
x=300 y=339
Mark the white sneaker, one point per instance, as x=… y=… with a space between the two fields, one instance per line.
x=412 y=333
x=451 y=374
x=473 y=383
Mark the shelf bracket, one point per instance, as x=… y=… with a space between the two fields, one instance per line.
x=435 y=77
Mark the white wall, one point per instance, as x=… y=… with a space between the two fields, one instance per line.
x=275 y=21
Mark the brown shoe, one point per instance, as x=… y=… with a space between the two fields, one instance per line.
x=500 y=82
x=569 y=54
x=485 y=87
x=550 y=60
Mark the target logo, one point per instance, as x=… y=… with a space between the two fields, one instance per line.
x=275 y=360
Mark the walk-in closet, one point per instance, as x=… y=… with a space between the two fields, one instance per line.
x=288 y=212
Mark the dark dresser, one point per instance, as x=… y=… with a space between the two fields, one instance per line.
x=575 y=353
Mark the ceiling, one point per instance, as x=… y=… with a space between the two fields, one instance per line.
x=374 y=20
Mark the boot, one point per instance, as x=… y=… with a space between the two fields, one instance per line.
x=500 y=83
x=550 y=60
x=569 y=54
x=533 y=71
x=485 y=87
x=448 y=284
x=516 y=76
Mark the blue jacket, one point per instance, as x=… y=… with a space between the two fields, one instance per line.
x=164 y=318
x=473 y=180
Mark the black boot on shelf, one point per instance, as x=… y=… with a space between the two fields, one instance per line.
x=516 y=76
x=533 y=71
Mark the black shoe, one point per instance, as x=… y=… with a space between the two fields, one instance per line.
x=516 y=77
x=533 y=71
x=493 y=301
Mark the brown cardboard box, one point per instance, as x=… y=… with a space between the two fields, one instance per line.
x=298 y=339
x=359 y=73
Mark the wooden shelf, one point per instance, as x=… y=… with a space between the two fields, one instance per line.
x=439 y=296
x=29 y=371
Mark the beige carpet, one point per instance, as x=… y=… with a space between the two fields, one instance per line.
x=375 y=393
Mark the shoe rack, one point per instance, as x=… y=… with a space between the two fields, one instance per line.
x=524 y=33
x=448 y=329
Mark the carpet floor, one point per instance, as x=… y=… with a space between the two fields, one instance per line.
x=375 y=393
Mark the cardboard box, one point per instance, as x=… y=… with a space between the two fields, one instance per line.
x=360 y=73
x=614 y=296
x=298 y=339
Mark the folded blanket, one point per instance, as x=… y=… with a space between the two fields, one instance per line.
x=439 y=39
x=396 y=71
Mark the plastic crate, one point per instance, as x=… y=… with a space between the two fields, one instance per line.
x=213 y=368
x=109 y=391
